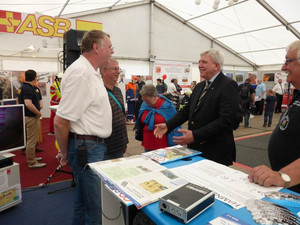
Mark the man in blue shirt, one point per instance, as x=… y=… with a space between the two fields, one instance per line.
x=261 y=95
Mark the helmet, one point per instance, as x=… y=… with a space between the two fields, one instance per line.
x=59 y=75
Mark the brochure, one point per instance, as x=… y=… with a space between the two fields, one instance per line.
x=169 y=154
x=139 y=178
x=227 y=219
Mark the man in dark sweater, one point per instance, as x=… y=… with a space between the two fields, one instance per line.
x=116 y=143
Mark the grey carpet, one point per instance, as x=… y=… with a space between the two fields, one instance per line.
x=253 y=151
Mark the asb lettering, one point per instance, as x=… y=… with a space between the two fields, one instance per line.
x=46 y=26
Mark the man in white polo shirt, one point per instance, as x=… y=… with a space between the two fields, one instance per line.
x=279 y=91
x=83 y=119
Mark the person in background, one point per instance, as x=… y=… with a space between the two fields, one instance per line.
x=160 y=87
x=279 y=91
x=83 y=119
x=131 y=99
x=283 y=148
x=154 y=110
x=269 y=108
x=261 y=95
x=173 y=93
x=116 y=143
x=1 y=87
x=172 y=90
x=139 y=83
x=193 y=85
x=30 y=96
x=185 y=100
x=211 y=113
x=247 y=95
x=178 y=88
x=22 y=80
x=55 y=99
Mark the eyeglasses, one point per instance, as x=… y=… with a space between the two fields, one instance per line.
x=101 y=46
x=113 y=68
x=290 y=60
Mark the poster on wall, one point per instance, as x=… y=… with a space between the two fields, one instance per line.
x=173 y=70
x=269 y=76
x=5 y=84
x=12 y=81
x=228 y=74
x=240 y=77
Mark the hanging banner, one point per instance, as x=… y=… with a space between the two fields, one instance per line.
x=173 y=70
x=42 y=25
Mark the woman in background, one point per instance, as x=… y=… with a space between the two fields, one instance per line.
x=154 y=110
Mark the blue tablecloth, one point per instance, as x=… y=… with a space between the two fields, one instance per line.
x=217 y=209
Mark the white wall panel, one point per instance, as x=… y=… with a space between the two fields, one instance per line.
x=128 y=28
x=36 y=64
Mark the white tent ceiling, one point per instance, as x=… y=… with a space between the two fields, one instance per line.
x=258 y=30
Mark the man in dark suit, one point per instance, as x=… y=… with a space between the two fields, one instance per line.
x=211 y=112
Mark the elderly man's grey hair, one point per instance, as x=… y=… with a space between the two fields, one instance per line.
x=148 y=90
x=294 y=46
x=216 y=56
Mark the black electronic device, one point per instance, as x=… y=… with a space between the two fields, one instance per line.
x=187 y=202
x=4 y=162
x=12 y=128
x=72 y=41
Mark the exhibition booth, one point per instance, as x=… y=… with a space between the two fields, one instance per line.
x=151 y=39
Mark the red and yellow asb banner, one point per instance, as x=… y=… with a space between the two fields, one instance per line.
x=41 y=25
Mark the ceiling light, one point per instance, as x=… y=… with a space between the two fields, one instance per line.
x=197 y=2
x=217 y=3
x=29 y=48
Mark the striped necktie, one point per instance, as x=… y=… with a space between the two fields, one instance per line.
x=203 y=93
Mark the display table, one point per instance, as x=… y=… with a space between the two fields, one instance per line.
x=10 y=187
x=113 y=204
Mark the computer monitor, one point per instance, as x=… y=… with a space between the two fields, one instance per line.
x=12 y=128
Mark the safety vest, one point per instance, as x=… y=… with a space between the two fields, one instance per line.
x=55 y=93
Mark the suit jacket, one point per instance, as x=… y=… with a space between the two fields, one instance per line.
x=212 y=123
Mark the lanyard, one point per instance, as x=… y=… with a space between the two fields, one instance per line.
x=116 y=100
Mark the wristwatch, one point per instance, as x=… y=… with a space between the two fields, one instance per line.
x=286 y=178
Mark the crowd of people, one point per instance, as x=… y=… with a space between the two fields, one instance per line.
x=91 y=127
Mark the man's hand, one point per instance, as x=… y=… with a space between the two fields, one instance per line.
x=38 y=115
x=160 y=130
x=187 y=137
x=265 y=176
x=63 y=161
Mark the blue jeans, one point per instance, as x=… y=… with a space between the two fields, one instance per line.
x=247 y=115
x=268 y=113
x=87 y=209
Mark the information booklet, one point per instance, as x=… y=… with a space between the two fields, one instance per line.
x=169 y=154
x=227 y=219
x=139 y=178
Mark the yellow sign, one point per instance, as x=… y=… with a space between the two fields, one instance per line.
x=42 y=25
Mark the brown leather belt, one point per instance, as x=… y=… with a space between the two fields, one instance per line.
x=85 y=137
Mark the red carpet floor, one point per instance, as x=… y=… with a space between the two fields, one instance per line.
x=35 y=177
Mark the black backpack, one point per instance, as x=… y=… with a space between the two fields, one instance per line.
x=245 y=92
